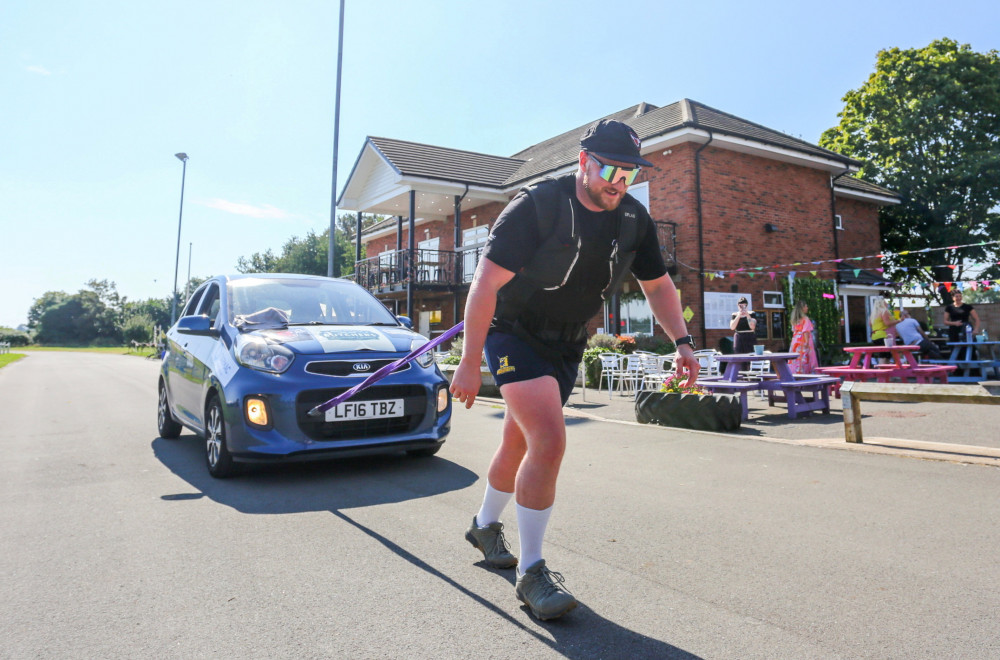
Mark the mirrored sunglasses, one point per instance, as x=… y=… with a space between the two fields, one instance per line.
x=615 y=173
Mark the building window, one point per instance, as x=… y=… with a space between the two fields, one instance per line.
x=636 y=318
x=472 y=241
x=838 y=221
x=774 y=300
x=640 y=192
x=770 y=324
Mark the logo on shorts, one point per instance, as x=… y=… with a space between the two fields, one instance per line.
x=504 y=366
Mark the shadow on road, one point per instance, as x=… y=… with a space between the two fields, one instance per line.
x=581 y=634
x=368 y=481
x=316 y=486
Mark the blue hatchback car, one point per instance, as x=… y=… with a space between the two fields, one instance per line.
x=251 y=355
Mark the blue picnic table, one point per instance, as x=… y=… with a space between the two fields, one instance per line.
x=975 y=360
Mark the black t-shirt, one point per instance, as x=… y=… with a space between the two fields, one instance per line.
x=959 y=313
x=516 y=231
x=743 y=325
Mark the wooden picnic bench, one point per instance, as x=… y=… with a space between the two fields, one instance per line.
x=853 y=392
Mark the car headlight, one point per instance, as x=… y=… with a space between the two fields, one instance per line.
x=427 y=358
x=256 y=353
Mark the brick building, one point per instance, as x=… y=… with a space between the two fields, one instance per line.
x=725 y=193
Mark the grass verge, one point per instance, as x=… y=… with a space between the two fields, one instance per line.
x=114 y=350
x=8 y=358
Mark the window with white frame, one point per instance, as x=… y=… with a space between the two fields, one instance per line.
x=774 y=300
x=838 y=221
x=641 y=193
x=473 y=239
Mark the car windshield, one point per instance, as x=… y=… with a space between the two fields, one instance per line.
x=308 y=301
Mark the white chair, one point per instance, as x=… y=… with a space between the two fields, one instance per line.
x=759 y=370
x=709 y=365
x=632 y=372
x=654 y=370
x=611 y=371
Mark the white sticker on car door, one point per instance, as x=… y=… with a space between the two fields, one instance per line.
x=223 y=365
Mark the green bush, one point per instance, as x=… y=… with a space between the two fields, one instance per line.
x=138 y=328
x=14 y=338
x=606 y=342
x=654 y=344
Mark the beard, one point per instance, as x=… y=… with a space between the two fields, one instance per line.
x=598 y=193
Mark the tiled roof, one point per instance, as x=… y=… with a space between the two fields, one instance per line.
x=650 y=121
x=562 y=150
x=415 y=159
x=854 y=183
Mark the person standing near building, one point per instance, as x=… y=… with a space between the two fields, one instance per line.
x=744 y=324
x=957 y=316
x=555 y=253
x=882 y=322
x=803 y=342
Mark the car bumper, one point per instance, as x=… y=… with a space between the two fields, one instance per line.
x=294 y=435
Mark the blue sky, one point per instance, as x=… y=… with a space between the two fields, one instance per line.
x=97 y=97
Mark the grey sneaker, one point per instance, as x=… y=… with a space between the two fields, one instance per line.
x=491 y=543
x=542 y=591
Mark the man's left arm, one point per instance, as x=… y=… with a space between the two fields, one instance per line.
x=666 y=305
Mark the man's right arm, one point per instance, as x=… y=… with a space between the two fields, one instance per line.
x=479 y=309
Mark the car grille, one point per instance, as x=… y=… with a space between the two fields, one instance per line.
x=414 y=407
x=346 y=367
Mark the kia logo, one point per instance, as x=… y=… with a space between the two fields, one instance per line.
x=362 y=366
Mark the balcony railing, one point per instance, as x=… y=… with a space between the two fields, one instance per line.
x=444 y=270
x=392 y=270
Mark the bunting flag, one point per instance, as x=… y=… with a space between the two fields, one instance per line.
x=881 y=255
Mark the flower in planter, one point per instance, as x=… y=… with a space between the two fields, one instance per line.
x=677 y=386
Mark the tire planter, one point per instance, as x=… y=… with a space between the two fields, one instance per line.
x=700 y=412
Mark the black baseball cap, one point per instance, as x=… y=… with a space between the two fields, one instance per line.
x=613 y=140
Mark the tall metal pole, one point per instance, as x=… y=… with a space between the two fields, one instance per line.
x=336 y=145
x=187 y=284
x=183 y=157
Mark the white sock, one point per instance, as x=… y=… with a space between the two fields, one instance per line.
x=531 y=524
x=494 y=502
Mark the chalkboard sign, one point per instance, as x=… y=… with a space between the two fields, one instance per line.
x=777 y=325
x=761 y=330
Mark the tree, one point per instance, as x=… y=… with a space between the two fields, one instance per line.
x=43 y=303
x=926 y=125
x=308 y=255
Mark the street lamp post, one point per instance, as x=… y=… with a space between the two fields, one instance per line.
x=331 y=256
x=183 y=157
x=187 y=282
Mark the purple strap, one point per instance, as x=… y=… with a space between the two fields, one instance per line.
x=386 y=370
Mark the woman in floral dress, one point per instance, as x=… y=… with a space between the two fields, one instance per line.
x=802 y=341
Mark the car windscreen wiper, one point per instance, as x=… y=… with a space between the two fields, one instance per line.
x=309 y=323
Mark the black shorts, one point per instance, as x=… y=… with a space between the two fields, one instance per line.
x=512 y=360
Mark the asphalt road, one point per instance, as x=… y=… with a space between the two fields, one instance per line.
x=115 y=543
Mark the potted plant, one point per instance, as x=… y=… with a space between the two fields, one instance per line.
x=693 y=407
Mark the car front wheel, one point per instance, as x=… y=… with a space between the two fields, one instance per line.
x=220 y=462
x=165 y=422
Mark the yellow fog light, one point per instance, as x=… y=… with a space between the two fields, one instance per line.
x=443 y=397
x=255 y=410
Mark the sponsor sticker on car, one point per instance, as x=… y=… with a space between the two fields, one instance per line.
x=351 y=410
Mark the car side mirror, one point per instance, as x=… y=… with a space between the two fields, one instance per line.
x=197 y=325
x=405 y=320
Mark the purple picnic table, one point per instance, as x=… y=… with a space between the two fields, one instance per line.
x=794 y=387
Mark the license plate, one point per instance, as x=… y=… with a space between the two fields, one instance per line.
x=365 y=410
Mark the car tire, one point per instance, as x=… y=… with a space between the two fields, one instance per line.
x=167 y=426
x=429 y=451
x=217 y=457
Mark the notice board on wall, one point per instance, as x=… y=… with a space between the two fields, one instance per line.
x=719 y=308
